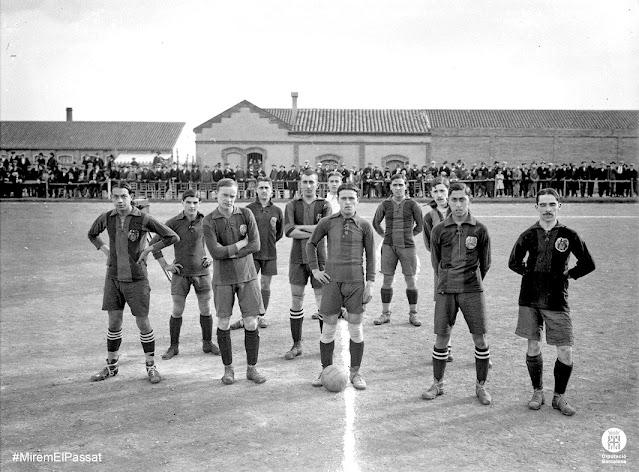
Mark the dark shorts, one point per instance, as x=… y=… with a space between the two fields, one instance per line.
x=181 y=285
x=249 y=297
x=346 y=294
x=298 y=274
x=530 y=324
x=472 y=305
x=407 y=257
x=267 y=267
x=136 y=294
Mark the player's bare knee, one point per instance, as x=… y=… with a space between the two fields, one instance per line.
x=388 y=281
x=356 y=331
x=564 y=354
x=144 y=324
x=250 y=323
x=224 y=323
x=410 y=282
x=480 y=341
x=534 y=347
x=441 y=341
x=328 y=332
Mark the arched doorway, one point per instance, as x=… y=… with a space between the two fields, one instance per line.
x=255 y=159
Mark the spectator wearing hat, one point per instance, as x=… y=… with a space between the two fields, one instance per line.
x=632 y=176
x=292 y=177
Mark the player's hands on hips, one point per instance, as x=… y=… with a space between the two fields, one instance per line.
x=321 y=276
x=145 y=252
x=105 y=249
x=207 y=261
x=174 y=268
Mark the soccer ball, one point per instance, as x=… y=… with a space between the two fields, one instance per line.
x=334 y=378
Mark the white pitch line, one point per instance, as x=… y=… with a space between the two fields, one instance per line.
x=350 y=459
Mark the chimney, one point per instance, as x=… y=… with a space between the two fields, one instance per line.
x=294 y=110
x=69 y=114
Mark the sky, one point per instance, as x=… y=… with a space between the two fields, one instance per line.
x=189 y=60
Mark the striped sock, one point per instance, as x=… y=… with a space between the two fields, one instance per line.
x=440 y=358
x=297 y=318
x=482 y=359
x=148 y=346
x=114 y=339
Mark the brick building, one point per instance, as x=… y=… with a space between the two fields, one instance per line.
x=71 y=140
x=283 y=136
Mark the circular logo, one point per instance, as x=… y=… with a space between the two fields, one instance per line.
x=613 y=440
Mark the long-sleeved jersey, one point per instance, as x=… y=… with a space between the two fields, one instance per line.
x=127 y=239
x=189 y=251
x=460 y=255
x=270 y=225
x=541 y=258
x=230 y=264
x=402 y=222
x=347 y=239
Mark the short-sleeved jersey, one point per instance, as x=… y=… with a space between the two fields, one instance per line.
x=190 y=251
x=402 y=222
x=460 y=255
x=431 y=219
x=270 y=225
x=542 y=257
x=230 y=265
x=347 y=238
x=298 y=212
x=127 y=239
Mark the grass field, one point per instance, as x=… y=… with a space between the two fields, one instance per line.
x=52 y=334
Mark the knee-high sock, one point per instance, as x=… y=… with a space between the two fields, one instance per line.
x=114 y=339
x=266 y=297
x=357 y=352
x=326 y=353
x=535 y=366
x=148 y=346
x=224 y=342
x=412 y=295
x=251 y=345
x=175 y=325
x=440 y=359
x=482 y=361
x=386 y=295
x=297 y=319
x=206 y=323
x=562 y=375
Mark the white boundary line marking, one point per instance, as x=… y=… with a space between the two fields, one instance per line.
x=350 y=460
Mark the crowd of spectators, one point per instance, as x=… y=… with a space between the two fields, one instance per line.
x=45 y=177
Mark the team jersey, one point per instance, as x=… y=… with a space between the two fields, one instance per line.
x=460 y=255
x=190 y=251
x=298 y=212
x=544 y=284
x=402 y=221
x=230 y=265
x=270 y=225
x=127 y=239
x=347 y=239
x=432 y=219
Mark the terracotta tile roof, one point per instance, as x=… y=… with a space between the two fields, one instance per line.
x=355 y=121
x=538 y=119
x=129 y=135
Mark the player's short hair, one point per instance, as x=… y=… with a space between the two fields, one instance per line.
x=440 y=180
x=226 y=183
x=547 y=191
x=348 y=186
x=262 y=178
x=335 y=174
x=399 y=175
x=123 y=184
x=190 y=194
x=309 y=171
x=457 y=186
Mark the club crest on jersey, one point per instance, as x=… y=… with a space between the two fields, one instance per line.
x=243 y=230
x=318 y=217
x=471 y=242
x=561 y=244
x=134 y=235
